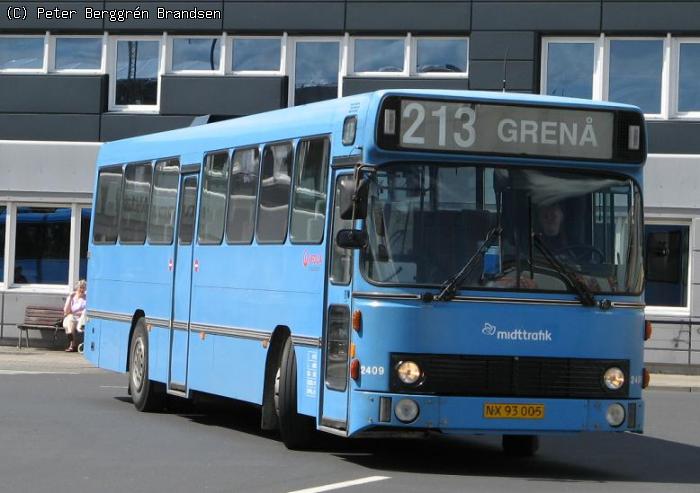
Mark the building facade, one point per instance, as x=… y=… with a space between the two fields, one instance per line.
x=75 y=74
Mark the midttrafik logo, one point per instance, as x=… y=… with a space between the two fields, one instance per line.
x=517 y=334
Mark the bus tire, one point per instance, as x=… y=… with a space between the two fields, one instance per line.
x=296 y=430
x=520 y=445
x=146 y=394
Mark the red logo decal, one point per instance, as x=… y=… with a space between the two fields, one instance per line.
x=312 y=259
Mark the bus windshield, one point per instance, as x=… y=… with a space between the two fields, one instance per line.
x=425 y=221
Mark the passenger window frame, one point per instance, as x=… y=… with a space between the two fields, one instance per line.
x=148 y=164
x=104 y=169
x=292 y=145
x=257 y=148
x=296 y=178
x=157 y=162
x=200 y=206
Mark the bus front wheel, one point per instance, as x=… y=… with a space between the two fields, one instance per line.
x=296 y=430
x=521 y=445
x=145 y=394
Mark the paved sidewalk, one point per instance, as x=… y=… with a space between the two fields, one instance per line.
x=42 y=360
x=681 y=382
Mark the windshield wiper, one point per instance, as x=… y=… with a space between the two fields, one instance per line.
x=584 y=294
x=450 y=286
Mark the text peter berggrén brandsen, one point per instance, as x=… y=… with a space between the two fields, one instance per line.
x=122 y=15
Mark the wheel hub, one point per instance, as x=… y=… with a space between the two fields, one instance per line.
x=138 y=362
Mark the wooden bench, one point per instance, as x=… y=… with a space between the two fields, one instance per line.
x=40 y=318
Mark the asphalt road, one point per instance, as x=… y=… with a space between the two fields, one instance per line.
x=77 y=431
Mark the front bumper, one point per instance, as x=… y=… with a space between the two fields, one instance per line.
x=465 y=415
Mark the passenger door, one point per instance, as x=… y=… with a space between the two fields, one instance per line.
x=336 y=335
x=182 y=283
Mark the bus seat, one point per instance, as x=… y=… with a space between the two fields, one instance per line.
x=269 y=221
x=306 y=225
x=241 y=217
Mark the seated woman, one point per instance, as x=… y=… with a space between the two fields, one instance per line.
x=74 y=314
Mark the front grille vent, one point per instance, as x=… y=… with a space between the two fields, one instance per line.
x=510 y=376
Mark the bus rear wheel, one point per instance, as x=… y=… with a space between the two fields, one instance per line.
x=296 y=430
x=146 y=395
x=520 y=445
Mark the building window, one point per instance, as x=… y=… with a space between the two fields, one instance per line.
x=22 y=53
x=382 y=56
x=634 y=74
x=42 y=245
x=667 y=252
x=408 y=57
x=3 y=221
x=256 y=55
x=688 y=77
x=243 y=193
x=316 y=71
x=657 y=75
x=136 y=80
x=84 y=240
x=212 y=212
x=196 y=54
x=275 y=185
x=135 y=203
x=441 y=56
x=78 y=53
x=309 y=206
x=161 y=218
x=569 y=69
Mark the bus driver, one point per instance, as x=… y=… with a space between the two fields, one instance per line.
x=550 y=218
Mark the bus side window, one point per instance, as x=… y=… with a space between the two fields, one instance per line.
x=212 y=209
x=275 y=185
x=161 y=219
x=135 y=203
x=309 y=202
x=341 y=258
x=107 y=205
x=242 y=195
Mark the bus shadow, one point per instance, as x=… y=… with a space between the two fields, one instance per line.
x=576 y=458
x=585 y=458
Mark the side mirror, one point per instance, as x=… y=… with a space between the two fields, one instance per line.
x=351 y=238
x=351 y=197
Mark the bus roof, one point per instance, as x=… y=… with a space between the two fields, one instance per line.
x=511 y=97
x=310 y=119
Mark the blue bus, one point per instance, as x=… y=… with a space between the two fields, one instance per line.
x=399 y=261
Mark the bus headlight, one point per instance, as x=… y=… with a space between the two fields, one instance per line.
x=614 y=378
x=406 y=410
x=408 y=372
x=615 y=415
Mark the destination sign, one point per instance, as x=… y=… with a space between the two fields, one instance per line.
x=498 y=129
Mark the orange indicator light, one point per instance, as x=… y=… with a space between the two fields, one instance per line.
x=645 y=378
x=355 y=369
x=357 y=320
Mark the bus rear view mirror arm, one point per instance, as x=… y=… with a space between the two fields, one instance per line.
x=351 y=238
x=353 y=199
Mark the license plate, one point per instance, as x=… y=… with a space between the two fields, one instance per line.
x=513 y=411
